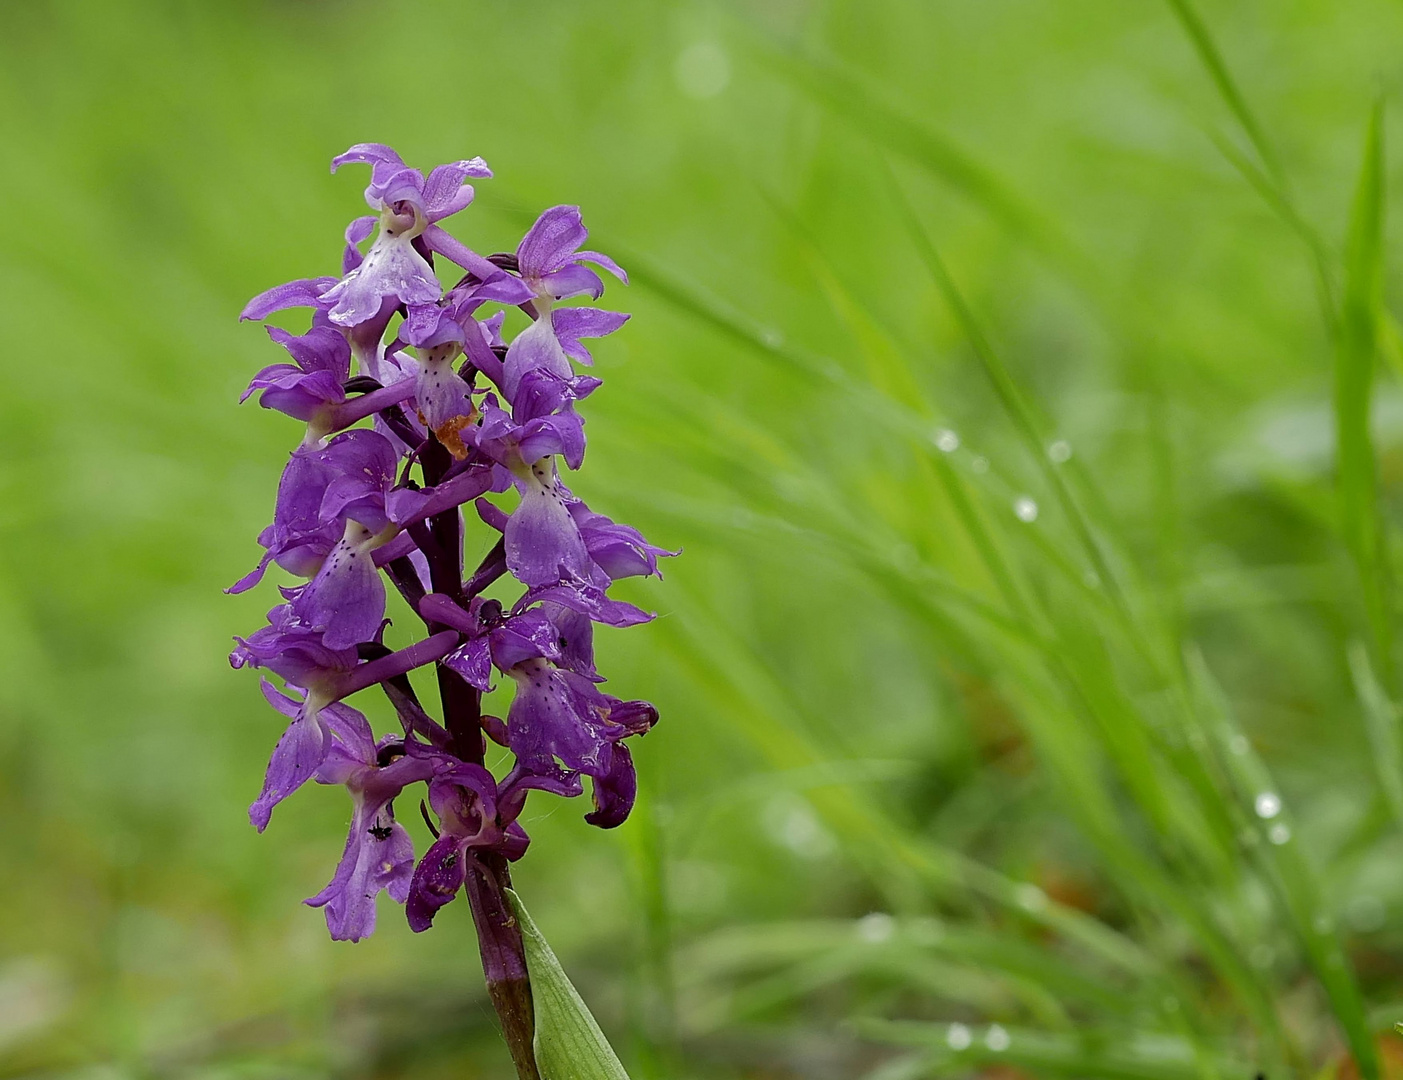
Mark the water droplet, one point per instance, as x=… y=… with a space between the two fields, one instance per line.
x=1268 y=805
x=702 y=70
x=996 y=1038
x=1060 y=451
x=1025 y=508
x=1238 y=745
x=1279 y=834
x=980 y=465
x=1261 y=957
x=1031 y=898
x=957 y=1037
x=876 y=927
x=1091 y=579
x=946 y=440
x=773 y=338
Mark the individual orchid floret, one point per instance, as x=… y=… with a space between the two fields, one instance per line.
x=551 y=264
x=300 y=751
x=346 y=599
x=560 y=716
x=290 y=648
x=548 y=344
x=298 y=539
x=465 y=800
x=395 y=269
x=364 y=338
x=379 y=854
x=308 y=388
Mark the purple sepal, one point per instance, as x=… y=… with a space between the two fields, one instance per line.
x=473 y=661
x=302 y=749
x=619 y=550
x=303 y=293
x=571 y=324
x=323 y=363
x=290 y=648
x=528 y=636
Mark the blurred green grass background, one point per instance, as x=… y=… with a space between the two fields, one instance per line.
x=976 y=691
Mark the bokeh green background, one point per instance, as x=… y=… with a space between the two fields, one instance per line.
x=854 y=724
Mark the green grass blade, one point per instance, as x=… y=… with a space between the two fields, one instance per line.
x=853 y=99
x=1276 y=845
x=1212 y=59
x=1355 y=360
x=1381 y=721
x=1025 y=420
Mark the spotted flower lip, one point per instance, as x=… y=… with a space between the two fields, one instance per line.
x=416 y=402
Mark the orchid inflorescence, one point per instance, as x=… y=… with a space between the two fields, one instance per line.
x=350 y=509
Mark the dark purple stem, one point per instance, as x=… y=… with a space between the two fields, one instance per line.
x=503 y=957
x=499 y=937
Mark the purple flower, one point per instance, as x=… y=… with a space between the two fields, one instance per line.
x=445 y=401
x=346 y=598
x=290 y=648
x=619 y=550
x=302 y=748
x=378 y=854
x=465 y=800
x=560 y=716
x=394 y=268
x=364 y=338
x=307 y=389
x=298 y=539
x=385 y=501
x=548 y=344
x=551 y=263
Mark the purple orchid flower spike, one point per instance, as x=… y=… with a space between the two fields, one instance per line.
x=414 y=405
x=409 y=207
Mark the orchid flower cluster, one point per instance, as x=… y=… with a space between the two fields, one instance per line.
x=448 y=398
